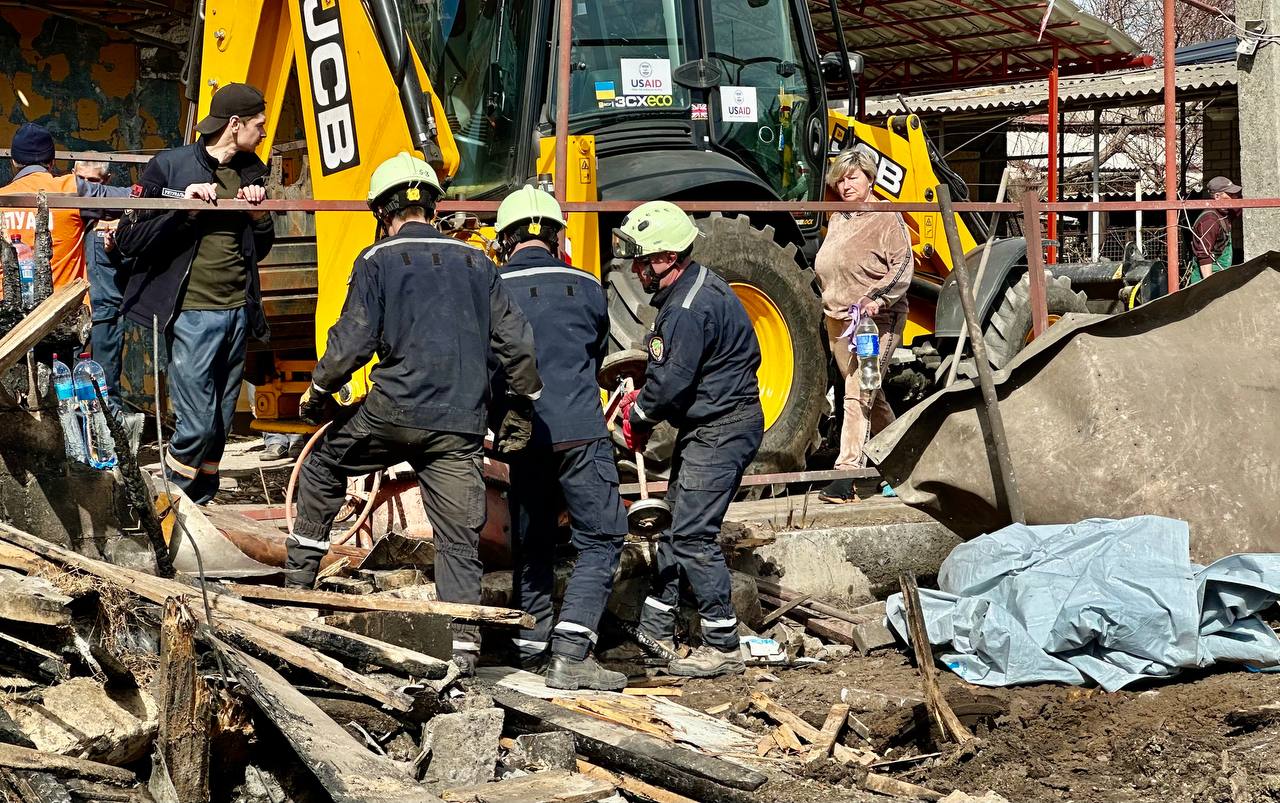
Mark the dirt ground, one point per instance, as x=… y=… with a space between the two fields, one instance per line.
x=1159 y=742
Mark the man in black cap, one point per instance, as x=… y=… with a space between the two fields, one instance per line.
x=1211 y=233
x=32 y=155
x=197 y=276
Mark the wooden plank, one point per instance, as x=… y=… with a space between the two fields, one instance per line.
x=30 y=658
x=677 y=768
x=633 y=785
x=786 y=595
x=352 y=646
x=552 y=786
x=481 y=614
x=243 y=633
x=778 y=713
x=12 y=557
x=830 y=732
x=716 y=710
x=948 y=722
x=766 y=745
x=781 y=611
x=654 y=691
x=787 y=739
x=183 y=739
x=346 y=769
x=23 y=758
x=895 y=788
x=898 y=762
x=40 y=321
x=33 y=600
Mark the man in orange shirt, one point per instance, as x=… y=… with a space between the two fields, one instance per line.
x=32 y=155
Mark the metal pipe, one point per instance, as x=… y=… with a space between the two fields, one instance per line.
x=996 y=441
x=1170 y=143
x=28 y=200
x=1096 y=220
x=844 y=54
x=1052 y=179
x=1137 y=215
x=564 y=55
x=1035 y=263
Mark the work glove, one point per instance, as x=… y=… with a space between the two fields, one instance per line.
x=636 y=438
x=315 y=406
x=516 y=429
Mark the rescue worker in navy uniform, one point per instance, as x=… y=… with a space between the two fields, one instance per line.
x=570 y=457
x=434 y=310
x=701 y=377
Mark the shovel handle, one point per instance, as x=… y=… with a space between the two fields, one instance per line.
x=644 y=481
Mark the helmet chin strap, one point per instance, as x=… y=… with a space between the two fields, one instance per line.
x=651 y=279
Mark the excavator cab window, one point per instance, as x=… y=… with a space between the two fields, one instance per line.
x=623 y=54
x=770 y=94
x=476 y=52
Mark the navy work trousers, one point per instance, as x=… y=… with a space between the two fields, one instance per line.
x=585 y=477
x=707 y=466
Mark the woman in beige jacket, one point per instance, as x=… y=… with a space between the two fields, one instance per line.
x=865 y=263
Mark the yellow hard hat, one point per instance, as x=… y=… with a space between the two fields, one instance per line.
x=652 y=228
x=404 y=173
x=531 y=204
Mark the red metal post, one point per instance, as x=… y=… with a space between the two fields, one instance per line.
x=564 y=55
x=1035 y=262
x=1052 y=190
x=1170 y=149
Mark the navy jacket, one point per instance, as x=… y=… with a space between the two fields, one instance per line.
x=570 y=319
x=703 y=354
x=434 y=310
x=163 y=244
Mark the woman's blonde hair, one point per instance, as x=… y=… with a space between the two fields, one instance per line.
x=850 y=159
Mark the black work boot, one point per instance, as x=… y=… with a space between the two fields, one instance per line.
x=708 y=662
x=838 y=492
x=568 y=673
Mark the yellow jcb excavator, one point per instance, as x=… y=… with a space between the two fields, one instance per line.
x=675 y=99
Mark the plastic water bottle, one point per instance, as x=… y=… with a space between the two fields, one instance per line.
x=100 y=447
x=26 y=270
x=65 y=391
x=867 y=344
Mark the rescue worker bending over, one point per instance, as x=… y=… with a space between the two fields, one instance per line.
x=701 y=376
x=570 y=456
x=433 y=309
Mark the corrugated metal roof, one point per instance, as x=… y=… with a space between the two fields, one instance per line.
x=914 y=44
x=1205 y=52
x=1134 y=87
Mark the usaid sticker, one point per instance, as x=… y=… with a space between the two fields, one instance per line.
x=657 y=349
x=646 y=76
x=171 y=193
x=738 y=104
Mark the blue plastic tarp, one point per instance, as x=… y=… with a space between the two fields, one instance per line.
x=1105 y=601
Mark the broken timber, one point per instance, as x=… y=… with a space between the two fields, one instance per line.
x=354 y=647
x=40 y=321
x=22 y=758
x=948 y=722
x=635 y=786
x=680 y=769
x=183 y=739
x=482 y=614
x=349 y=772
x=44 y=664
x=551 y=786
x=892 y=786
x=831 y=728
x=804 y=730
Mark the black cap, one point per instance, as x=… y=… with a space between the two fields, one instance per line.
x=232 y=100
x=32 y=145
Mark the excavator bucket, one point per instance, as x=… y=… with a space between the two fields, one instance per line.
x=1170 y=409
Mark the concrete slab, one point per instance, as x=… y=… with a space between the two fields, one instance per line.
x=842 y=553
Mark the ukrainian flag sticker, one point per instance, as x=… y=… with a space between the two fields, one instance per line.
x=604 y=90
